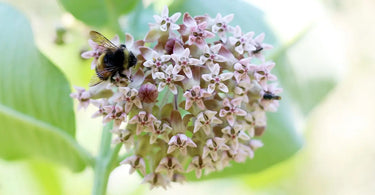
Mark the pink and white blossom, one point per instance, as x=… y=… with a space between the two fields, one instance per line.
x=216 y=80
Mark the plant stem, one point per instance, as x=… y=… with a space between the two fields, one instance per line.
x=105 y=162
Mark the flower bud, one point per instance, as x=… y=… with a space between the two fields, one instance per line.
x=148 y=93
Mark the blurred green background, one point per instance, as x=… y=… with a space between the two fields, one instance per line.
x=324 y=50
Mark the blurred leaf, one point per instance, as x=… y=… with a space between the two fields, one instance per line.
x=280 y=138
x=36 y=112
x=138 y=21
x=47 y=177
x=98 y=13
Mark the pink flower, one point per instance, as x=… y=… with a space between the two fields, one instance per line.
x=169 y=77
x=213 y=146
x=242 y=89
x=210 y=55
x=136 y=163
x=221 y=26
x=82 y=96
x=197 y=32
x=144 y=121
x=216 y=80
x=205 y=120
x=182 y=59
x=259 y=47
x=161 y=131
x=129 y=96
x=124 y=136
x=198 y=163
x=156 y=180
x=165 y=22
x=196 y=94
x=180 y=142
x=232 y=134
x=170 y=165
x=263 y=73
x=100 y=104
x=157 y=62
x=231 y=110
x=242 y=70
x=241 y=42
x=116 y=113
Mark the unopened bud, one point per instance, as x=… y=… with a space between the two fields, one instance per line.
x=148 y=93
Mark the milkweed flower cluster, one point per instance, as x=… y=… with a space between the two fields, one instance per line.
x=195 y=101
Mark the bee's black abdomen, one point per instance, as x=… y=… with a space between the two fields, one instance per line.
x=114 y=60
x=132 y=60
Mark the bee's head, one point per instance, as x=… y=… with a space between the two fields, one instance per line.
x=122 y=46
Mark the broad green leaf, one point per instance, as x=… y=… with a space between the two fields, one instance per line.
x=98 y=13
x=36 y=112
x=280 y=139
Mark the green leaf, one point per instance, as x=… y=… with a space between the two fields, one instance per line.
x=99 y=13
x=36 y=112
x=280 y=139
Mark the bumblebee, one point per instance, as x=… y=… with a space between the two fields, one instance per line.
x=113 y=61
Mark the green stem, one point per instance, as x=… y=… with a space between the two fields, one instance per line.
x=105 y=162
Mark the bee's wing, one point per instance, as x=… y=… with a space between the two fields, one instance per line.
x=95 y=80
x=101 y=40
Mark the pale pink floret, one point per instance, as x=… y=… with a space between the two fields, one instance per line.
x=115 y=113
x=182 y=59
x=154 y=60
x=136 y=163
x=197 y=95
x=156 y=180
x=125 y=137
x=198 y=164
x=231 y=110
x=197 y=32
x=263 y=73
x=100 y=104
x=144 y=122
x=205 y=120
x=82 y=96
x=165 y=22
x=221 y=26
x=242 y=70
x=170 y=165
x=161 y=131
x=169 y=77
x=241 y=42
x=259 y=47
x=216 y=80
x=213 y=147
x=129 y=96
x=211 y=55
x=180 y=142
x=232 y=134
